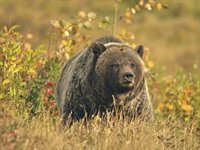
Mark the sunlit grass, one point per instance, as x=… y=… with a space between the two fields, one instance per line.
x=45 y=132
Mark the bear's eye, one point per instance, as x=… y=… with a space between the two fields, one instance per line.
x=132 y=65
x=115 y=65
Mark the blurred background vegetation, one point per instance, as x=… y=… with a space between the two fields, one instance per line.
x=38 y=37
x=171 y=34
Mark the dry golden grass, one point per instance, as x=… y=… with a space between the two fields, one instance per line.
x=45 y=132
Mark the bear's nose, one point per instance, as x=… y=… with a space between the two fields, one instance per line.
x=128 y=76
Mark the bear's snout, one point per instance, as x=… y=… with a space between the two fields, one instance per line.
x=128 y=76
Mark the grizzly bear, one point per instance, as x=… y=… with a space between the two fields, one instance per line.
x=107 y=74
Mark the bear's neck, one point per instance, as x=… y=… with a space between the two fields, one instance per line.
x=124 y=98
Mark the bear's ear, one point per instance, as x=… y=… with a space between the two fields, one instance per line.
x=97 y=48
x=140 y=50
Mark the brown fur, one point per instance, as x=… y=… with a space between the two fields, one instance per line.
x=105 y=75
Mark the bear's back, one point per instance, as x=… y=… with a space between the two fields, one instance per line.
x=108 y=39
x=67 y=78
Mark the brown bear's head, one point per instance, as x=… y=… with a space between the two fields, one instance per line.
x=119 y=67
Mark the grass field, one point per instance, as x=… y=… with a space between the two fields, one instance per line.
x=32 y=55
x=46 y=133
